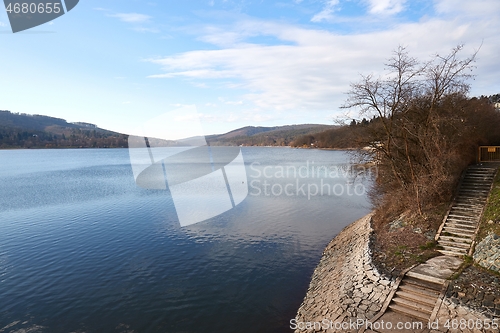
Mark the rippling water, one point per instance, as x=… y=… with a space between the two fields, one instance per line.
x=83 y=249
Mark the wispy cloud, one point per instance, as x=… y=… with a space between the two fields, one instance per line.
x=327 y=13
x=140 y=22
x=386 y=7
x=131 y=17
x=144 y=29
x=311 y=69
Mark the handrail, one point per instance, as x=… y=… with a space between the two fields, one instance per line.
x=489 y=154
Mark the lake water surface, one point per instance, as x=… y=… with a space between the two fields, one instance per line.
x=83 y=249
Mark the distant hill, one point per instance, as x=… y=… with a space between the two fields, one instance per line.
x=19 y=130
x=265 y=136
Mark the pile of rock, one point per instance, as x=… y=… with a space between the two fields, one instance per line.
x=478 y=290
x=487 y=253
x=345 y=285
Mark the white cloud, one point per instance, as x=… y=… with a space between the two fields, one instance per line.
x=386 y=7
x=137 y=20
x=461 y=7
x=234 y=102
x=327 y=13
x=131 y=17
x=144 y=29
x=312 y=69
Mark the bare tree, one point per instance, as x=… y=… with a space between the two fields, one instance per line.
x=415 y=105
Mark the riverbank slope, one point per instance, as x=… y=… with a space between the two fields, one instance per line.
x=345 y=286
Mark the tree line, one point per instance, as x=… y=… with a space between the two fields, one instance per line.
x=72 y=138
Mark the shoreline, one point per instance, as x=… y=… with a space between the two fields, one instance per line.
x=346 y=289
x=345 y=286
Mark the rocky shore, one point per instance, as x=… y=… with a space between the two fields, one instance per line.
x=345 y=286
x=347 y=289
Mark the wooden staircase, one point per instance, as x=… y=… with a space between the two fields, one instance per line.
x=458 y=231
x=417 y=295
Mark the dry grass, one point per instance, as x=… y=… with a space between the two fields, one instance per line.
x=402 y=241
x=491 y=213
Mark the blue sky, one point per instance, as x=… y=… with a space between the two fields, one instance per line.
x=119 y=63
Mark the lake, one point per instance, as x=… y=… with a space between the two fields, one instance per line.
x=84 y=249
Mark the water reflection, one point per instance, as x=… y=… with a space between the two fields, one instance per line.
x=83 y=249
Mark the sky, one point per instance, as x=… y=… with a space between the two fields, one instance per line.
x=121 y=63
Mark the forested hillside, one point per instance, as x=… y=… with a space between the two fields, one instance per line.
x=37 y=131
x=265 y=136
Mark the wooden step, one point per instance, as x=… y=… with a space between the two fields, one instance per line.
x=471 y=208
x=417 y=289
x=453 y=224
x=463 y=214
x=467 y=209
x=459 y=231
x=466 y=218
x=473 y=181
x=426 y=278
x=455 y=220
x=475 y=193
x=454 y=249
x=463 y=201
x=456 y=234
x=418 y=298
x=451 y=253
x=409 y=312
x=468 y=205
x=473 y=190
x=413 y=305
x=454 y=244
x=418 y=283
x=476 y=184
x=467 y=198
x=475 y=187
x=456 y=239
x=479 y=175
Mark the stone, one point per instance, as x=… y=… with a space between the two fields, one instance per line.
x=487 y=252
x=366 y=290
